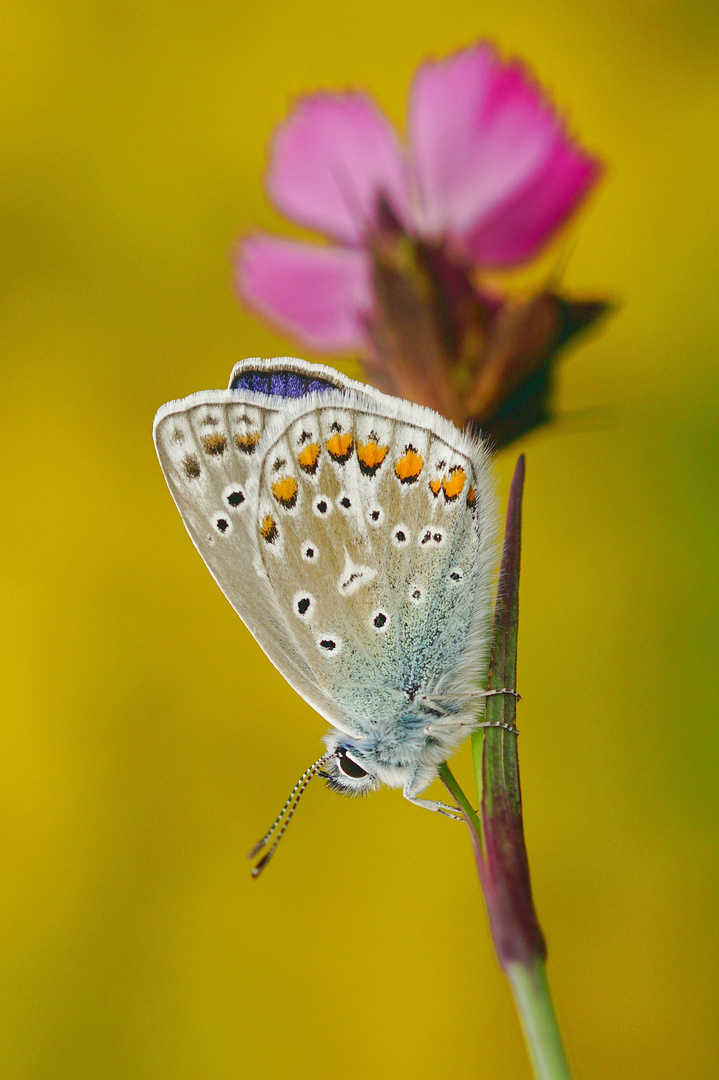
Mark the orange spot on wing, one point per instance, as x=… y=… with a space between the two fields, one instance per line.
x=247 y=442
x=308 y=457
x=370 y=456
x=453 y=484
x=471 y=497
x=435 y=486
x=408 y=468
x=339 y=447
x=214 y=444
x=285 y=491
x=269 y=529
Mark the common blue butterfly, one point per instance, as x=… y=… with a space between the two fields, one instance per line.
x=353 y=533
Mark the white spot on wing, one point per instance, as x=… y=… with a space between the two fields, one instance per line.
x=329 y=644
x=222 y=524
x=430 y=537
x=415 y=593
x=322 y=506
x=303 y=604
x=233 y=496
x=354 y=576
x=310 y=551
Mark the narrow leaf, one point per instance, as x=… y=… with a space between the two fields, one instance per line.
x=515 y=929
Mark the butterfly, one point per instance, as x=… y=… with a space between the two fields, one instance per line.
x=354 y=535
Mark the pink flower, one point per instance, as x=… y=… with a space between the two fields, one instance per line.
x=488 y=176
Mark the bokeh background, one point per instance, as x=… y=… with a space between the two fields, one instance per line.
x=146 y=741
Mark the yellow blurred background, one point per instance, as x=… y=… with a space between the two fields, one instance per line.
x=146 y=740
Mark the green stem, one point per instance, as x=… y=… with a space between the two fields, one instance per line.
x=528 y=982
x=539 y=1023
x=497 y=829
x=449 y=781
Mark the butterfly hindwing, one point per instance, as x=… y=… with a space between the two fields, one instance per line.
x=373 y=529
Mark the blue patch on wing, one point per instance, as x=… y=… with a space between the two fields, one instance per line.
x=284 y=384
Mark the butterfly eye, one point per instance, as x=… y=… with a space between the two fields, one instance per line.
x=350 y=767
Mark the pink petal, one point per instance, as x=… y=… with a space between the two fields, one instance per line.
x=520 y=225
x=481 y=131
x=320 y=295
x=331 y=159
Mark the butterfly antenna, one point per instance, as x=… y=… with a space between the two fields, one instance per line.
x=289 y=809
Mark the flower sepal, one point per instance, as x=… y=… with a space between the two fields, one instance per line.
x=476 y=356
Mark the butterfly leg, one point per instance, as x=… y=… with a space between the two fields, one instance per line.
x=433 y=700
x=444 y=809
x=499 y=723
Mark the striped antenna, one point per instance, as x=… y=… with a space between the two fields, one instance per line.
x=289 y=809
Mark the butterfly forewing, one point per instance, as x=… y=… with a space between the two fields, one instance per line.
x=208 y=448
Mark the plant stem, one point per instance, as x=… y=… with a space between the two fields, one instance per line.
x=528 y=981
x=539 y=1022
x=497 y=829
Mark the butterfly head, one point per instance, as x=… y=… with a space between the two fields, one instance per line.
x=349 y=769
x=357 y=767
